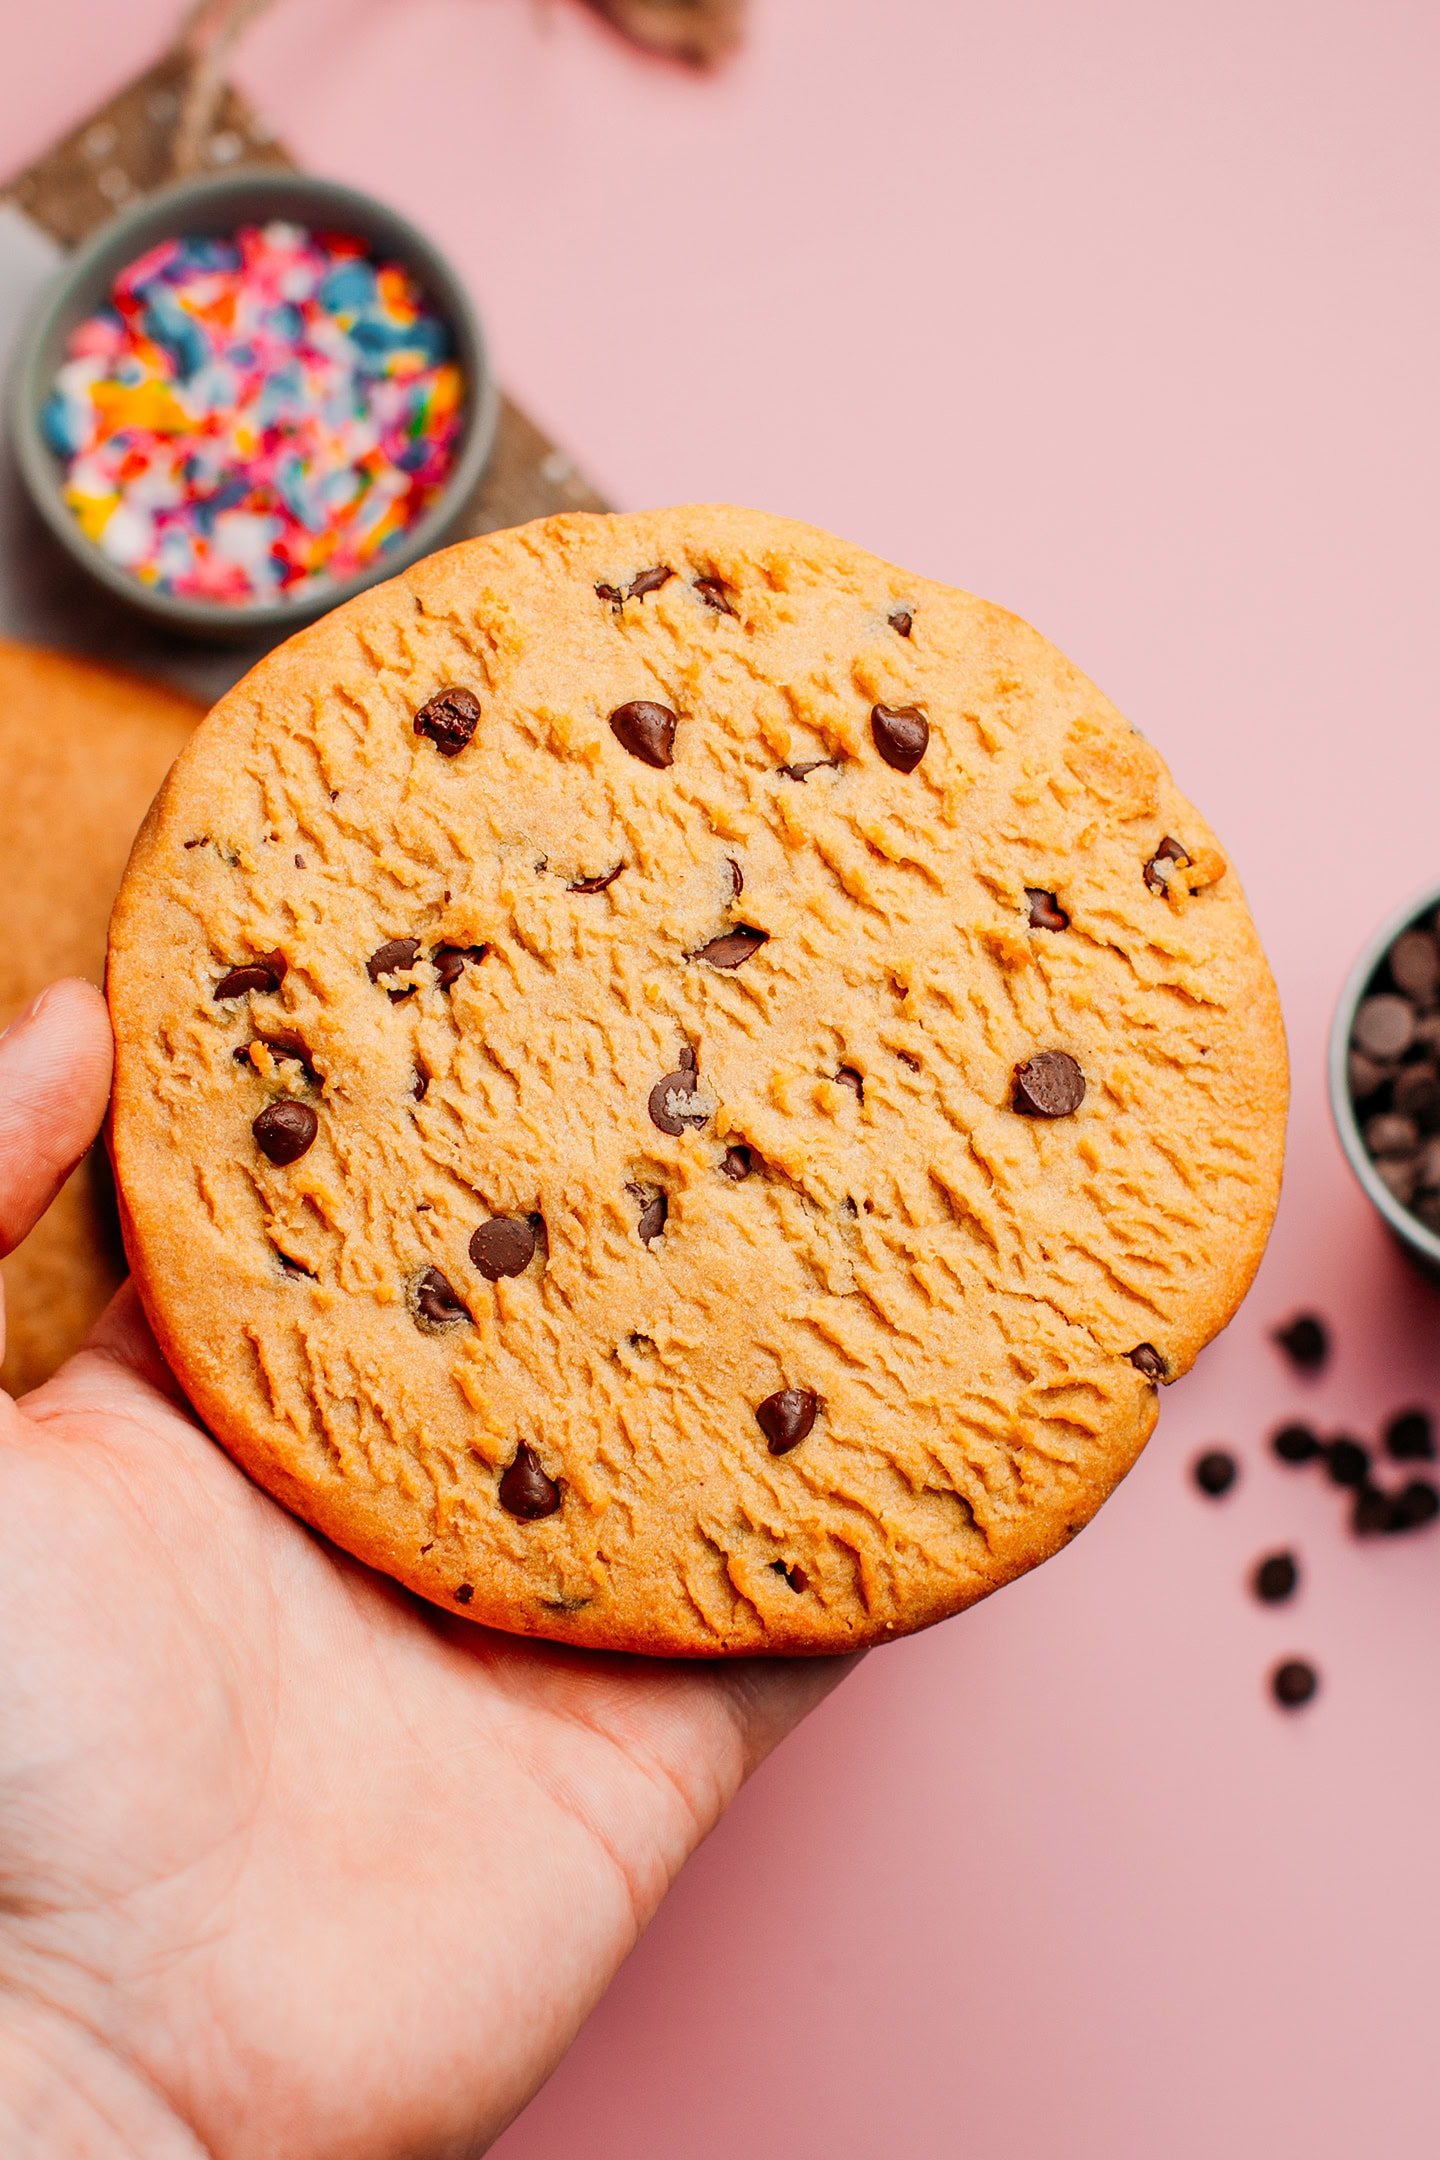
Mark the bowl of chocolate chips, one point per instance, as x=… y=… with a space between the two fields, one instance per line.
x=1385 y=1075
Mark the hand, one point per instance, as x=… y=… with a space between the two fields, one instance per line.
x=290 y=1862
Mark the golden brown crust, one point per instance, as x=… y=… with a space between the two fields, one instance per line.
x=960 y=1285
x=82 y=750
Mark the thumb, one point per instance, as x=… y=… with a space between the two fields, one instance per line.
x=54 y=1082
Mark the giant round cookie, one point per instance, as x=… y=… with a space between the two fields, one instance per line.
x=82 y=751
x=680 y=1089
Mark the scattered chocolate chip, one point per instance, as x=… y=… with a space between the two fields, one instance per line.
x=652 y=1218
x=786 y=1417
x=714 y=594
x=1048 y=1085
x=1410 y=1437
x=1384 y=1025
x=391 y=957
x=595 y=884
x=503 y=1246
x=1294 y=1683
x=1215 y=1472
x=1415 y=965
x=902 y=735
x=1305 y=1340
x=737 y=1164
x=648 y=581
x=646 y=730
x=201 y=841
x=1347 y=1462
x=1275 y=1578
x=422 y=1083
x=449 y=719
x=732 y=948
x=1373 y=1514
x=1367 y=1076
x=901 y=621
x=1147 y=1360
x=1388 y=1133
x=798 y=1580
x=688 y=1059
x=299 y=862
x=281 y=1044
x=1415 y=1504
x=1295 y=1444
x=464 y=1594
x=848 y=1077
x=737 y=877
x=450 y=962
x=807 y=765
x=668 y=1098
x=1156 y=876
x=284 y=1131
x=437 y=1301
x=1416 y=1093
x=265 y=972
x=611 y=594
x=295 y=1269
x=1046 y=912
x=525 y=1490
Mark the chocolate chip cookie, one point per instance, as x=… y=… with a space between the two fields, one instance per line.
x=82 y=751
x=682 y=1089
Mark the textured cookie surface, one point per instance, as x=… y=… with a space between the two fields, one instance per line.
x=82 y=751
x=679 y=1088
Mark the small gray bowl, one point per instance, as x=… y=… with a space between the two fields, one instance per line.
x=1422 y=1245
x=219 y=206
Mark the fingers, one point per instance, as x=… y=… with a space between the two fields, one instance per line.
x=771 y=1696
x=54 y=1082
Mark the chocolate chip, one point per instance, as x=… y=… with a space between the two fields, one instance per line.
x=737 y=1164
x=201 y=841
x=732 y=948
x=450 y=962
x=652 y=1215
x=503 y=1246
x=737 y=877
x=714 y=594
x=1275 y=1578
x=1046 y=912
x=848 y=1077
x=1385 y=1025
x=595 y=884
x=281 y=1043
x=464 y=1593
x=437 y=1301
x=798 y=1580
x=902 y=735
x=1410 y=1437
x=1426 y=1209
x=1305 y=1340
x=668 y=1098
x=808 y=765
x=1373 y=1514
x=284 y=1131
x=786 y=1417
x=449 y=719
x=612 y=594
x=1294 y=1683
x=295 y=1269
x=1048 y=1085
x=648 y=581
x=1156 y=876
x=422 y=1083
x=1215 y=1472
x=525 y=1490
x=1296 y=1444
x=1388 y=1133
x=646 y=730
x=1415 y=1504
x=265 y=972
x=1147 y=1360
x=1347 y=1462
x=1416 y=1094
x=1415 y=965
x=901 y=621
x=299 y=862
x=391 y=957
x=1367 y=1076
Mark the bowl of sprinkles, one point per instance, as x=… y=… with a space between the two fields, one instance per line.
x=250 y=398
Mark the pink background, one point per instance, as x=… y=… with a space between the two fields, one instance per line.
x=1125 y=315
